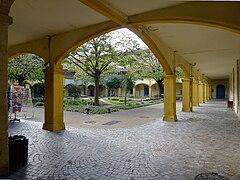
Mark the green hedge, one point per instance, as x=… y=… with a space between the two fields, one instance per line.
x=78 y=102
x=93 y=109
x=38 y=101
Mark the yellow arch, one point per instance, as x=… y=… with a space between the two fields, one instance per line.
x=22 y=53
x=185 y=70
x=93 y=85
x=194 y=74
x=87 y=34
x=142 y=84
x=223 y=15
x=152 y=46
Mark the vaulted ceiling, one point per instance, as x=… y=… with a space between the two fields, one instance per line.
x=214 y=50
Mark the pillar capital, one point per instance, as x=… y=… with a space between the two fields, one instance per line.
x=165 y=76
x=5 y=20
x=186 y=80
x=5 y=6
x=195 y=82
x=54 y=69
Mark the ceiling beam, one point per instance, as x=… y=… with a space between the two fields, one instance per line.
x=107 y=10
x=216 y=14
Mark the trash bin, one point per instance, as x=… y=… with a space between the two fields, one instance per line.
x=18 y=152
x=230 y=104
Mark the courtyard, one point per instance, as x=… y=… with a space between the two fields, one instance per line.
x=203 y=141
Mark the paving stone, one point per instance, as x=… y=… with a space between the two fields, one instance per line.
x=203 y=141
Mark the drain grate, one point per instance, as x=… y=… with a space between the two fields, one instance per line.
x=90 y=122
x=111 y=122
x=196 y=119
x=143 y=117
x=210 y=176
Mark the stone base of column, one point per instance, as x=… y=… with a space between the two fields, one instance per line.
x=195 y=104
x=187 y=109
x=170 y=118
x=4 y=166
x=54 y=126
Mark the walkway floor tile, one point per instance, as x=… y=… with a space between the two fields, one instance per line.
x=203 y=141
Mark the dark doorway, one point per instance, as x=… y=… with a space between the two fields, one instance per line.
x=146 y=90
x=220 y=92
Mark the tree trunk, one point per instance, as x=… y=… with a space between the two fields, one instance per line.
x=96 y=97
x=160 y=83
x=21 y=81
x=125 y=98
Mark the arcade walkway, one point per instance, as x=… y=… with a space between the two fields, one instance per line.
x=206 y=140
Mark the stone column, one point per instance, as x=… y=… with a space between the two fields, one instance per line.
x=150 y=88
x=195 y=93
x=150 y=91
x=119 y=91
x=210 y=91
x=205 y=92
x=170 y=98
x=54 y=99
x=86 y=90
x=5 y=21
x=200 y=92
x=186 y=95
x=134 y=92
x=106 y=92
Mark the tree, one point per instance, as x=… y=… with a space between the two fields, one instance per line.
x=94 y=58
x=128 y=82
x=74 y=90
x=38 y=90
x=150 y=67
x=112 y=81
x=26 y=68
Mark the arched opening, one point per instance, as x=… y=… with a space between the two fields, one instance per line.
x=25 y=86
x=180 y=72
x=91 y=90
x=142 y=90
x=126 y=63
x=220 y=91
x=155 y=90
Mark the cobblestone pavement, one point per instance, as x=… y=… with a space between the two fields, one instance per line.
x=125 y=118
x=204 y=141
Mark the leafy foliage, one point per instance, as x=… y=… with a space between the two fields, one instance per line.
x=112 y=81
x=25 y=68
x=148 y=66
x=179 y=73
x=78 y=102
x=93 y=59
x=38 y=90
x=73 y=90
